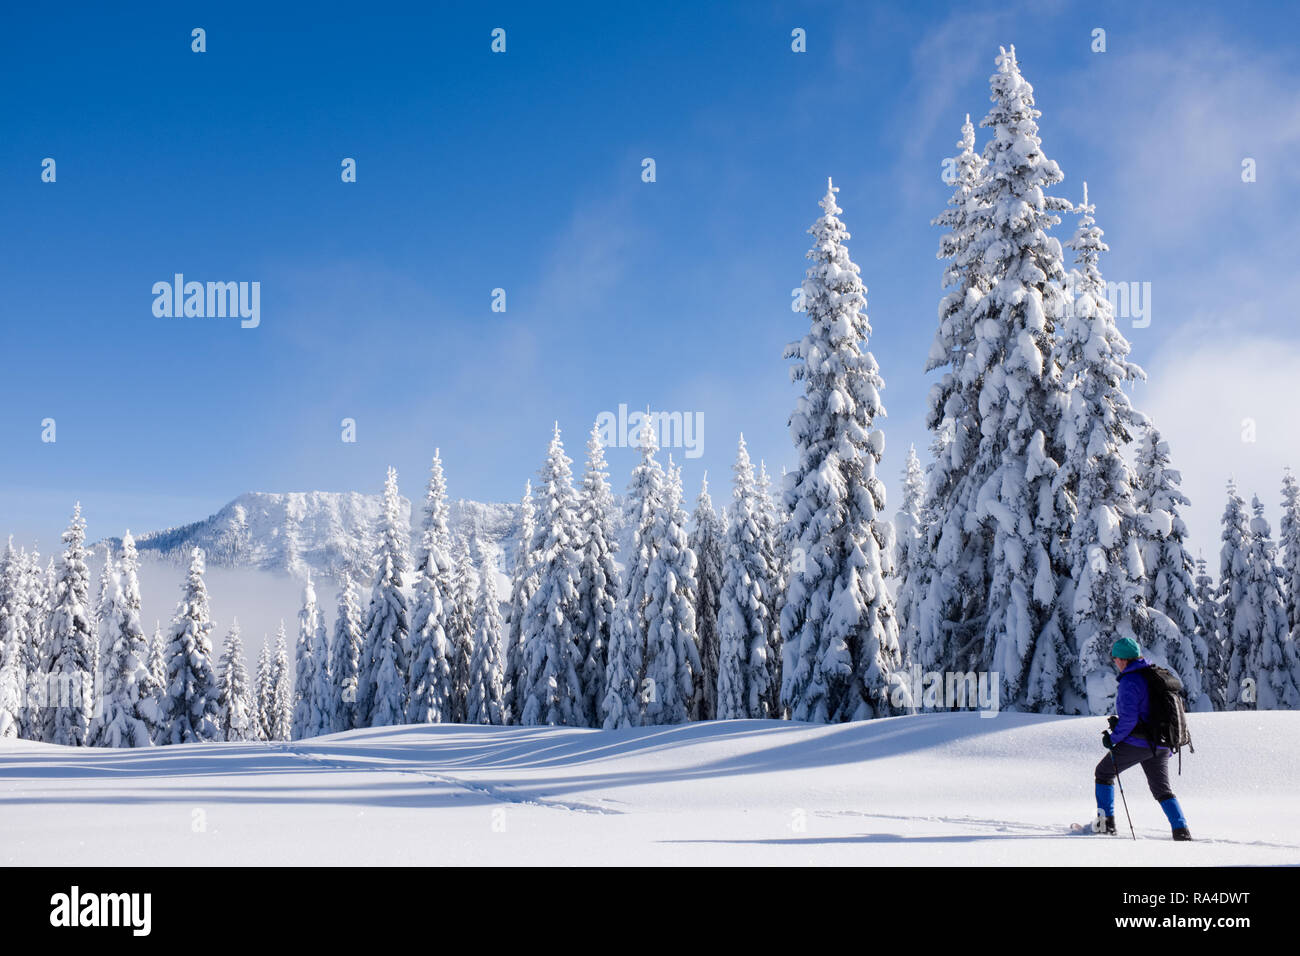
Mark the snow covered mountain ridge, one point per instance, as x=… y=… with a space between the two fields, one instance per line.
x=326 y=533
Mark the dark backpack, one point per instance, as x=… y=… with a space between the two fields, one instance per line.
x=1167 y=726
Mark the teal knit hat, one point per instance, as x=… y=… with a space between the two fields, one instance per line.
x=1125 y=649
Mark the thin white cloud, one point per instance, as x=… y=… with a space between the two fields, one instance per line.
x=1228 y=409
x=587 y=259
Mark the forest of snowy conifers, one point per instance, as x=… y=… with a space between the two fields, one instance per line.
x=1045 y=526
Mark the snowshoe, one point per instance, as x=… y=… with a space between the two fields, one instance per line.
x=1102 y=824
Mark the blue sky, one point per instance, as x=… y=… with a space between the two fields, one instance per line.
x=522 y=171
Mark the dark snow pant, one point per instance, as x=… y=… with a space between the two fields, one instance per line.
x=1156 y=767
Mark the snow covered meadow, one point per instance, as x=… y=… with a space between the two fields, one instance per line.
x=948 y=789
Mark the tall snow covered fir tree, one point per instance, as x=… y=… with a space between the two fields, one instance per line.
x=280 y=714
x=1261 y=651
x=388 y=625
x=1289 y=544
x=952 y=588
x=461 y=633
x=708 y=541
x=312 y=692
x=624 y=697
x=909 y=540
x=1234 y=571
x=745 y=671
x=68 y=654
x=1004 y=410
x=129 y=714
x=522 y=586
x=104 y=636
x=1104 y=593
x=431 y=682
x=1214 y=679
x=158 y=655
x=345 y=657
x=841 y=637
x=38 y=620
x=1025 y=514
x=597 y=575
x=234 y=696
x=484 y=704
x=552 y=626
x=672 y=653
x=771 y=523
x=189 y=701
x=1167 y=585
x=264 y=694
x=13 y=641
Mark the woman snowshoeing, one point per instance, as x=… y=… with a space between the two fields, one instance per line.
x=1126 y=744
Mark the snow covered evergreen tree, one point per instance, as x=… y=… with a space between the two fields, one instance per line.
x=552 y=627
x=280 y=719
x=1167 y=586
x=935 y=649
x=104 y=636
x=952 y=586
x=628 y=634
x=522 y=586
x=744 y=668
x=841 y=637
x=486 y=691
x=431 y=685
x=158 y=656
x=708 y=541
x=47 y=682
x=189 y=707
x=345 y=657
x=1026 y=512
x=388 y=626
x=1214 y=679
x=909 y=540
x=775 y=555
x=148 y=686
x=1289 y=543
x=1234 y=572
x=1004 y=601
x=130 y=714
x=1104 y=547
x=672 y=650
x=69 y=651
x=462 y=633
x=1261 y=649
x=264 y=696
x=234 y=696
x=13 y=641
x=597 y=575
x=37 y=602
x=311 y=697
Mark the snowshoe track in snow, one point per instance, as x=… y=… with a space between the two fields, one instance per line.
x=1048 y=830
x=491 y=792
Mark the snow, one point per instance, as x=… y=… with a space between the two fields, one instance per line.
x=951 y=789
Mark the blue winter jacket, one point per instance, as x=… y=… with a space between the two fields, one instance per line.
x=1132 y=705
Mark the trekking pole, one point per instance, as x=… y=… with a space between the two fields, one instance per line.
x=1121 y=794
